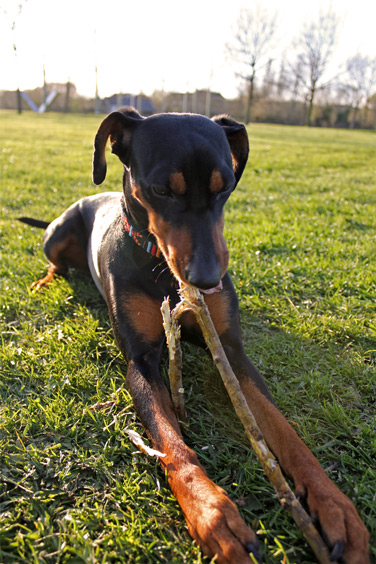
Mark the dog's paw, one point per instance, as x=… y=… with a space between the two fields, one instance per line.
x=341 y=527
x=220 y=531
x=215 y=523
x=43 y=282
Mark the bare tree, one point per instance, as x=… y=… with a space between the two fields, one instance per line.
x=250 y=47
x=315 y=47
x=361 y=80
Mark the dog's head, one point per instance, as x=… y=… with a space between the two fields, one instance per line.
x=180 y=170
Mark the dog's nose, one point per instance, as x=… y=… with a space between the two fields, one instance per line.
x=203 y=276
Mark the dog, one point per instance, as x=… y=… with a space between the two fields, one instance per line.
x=166 y=229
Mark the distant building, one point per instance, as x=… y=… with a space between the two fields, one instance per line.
x=201 y=101
x=140 y=102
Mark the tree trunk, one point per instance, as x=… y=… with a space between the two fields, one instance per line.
x=67 y=94
x=19 y=101
x=248 y=116
x=310 y=106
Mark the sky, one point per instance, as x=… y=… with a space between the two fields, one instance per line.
x=146 y=45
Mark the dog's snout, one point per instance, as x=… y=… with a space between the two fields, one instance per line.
x=203 y=275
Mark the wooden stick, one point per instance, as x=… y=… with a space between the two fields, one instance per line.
x=172 y=330
x=191 y=299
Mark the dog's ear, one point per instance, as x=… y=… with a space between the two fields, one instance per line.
x=119 y=126
x=238 y=140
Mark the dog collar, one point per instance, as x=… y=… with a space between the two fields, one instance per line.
x=144 y=241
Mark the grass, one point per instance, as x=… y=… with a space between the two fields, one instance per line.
x=301 y=230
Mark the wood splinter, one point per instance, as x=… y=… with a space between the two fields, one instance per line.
x=192 y=300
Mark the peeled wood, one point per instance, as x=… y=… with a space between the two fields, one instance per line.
x=192 y=300
x=172 y=330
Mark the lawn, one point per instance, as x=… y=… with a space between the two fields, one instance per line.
x=301 y=229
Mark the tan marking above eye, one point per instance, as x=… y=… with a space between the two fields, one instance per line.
x=216 y=183
x=177 y=183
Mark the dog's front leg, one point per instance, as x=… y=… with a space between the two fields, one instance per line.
x=340 y=522
x=213 y=519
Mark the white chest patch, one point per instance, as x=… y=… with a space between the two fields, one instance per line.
x=104 y=216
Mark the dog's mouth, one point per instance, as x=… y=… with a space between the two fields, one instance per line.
x=217 y=288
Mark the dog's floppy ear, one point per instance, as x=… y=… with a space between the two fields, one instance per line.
x=119 y=126
x=238 y=140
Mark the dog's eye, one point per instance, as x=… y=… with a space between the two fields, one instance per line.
x=161 y=190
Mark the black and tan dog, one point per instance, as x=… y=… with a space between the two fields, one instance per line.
x=179 y=171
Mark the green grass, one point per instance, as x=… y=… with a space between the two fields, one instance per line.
x=301 y=229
